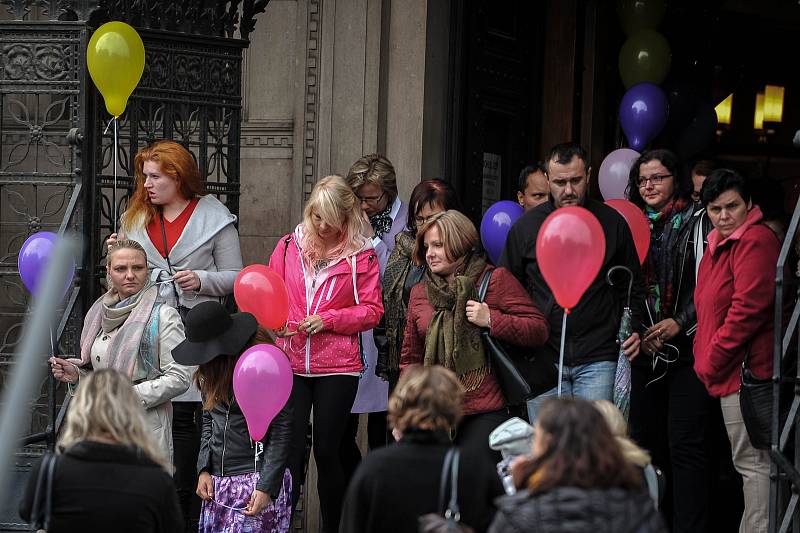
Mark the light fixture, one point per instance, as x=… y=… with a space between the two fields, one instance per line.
x=723 y=110
x=773 y=103
x=758 y=118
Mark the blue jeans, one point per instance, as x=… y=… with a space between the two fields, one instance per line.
x=592 y=381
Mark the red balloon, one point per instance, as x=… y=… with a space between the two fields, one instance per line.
x=569 y=250
x=260 y=291
x=637 y=222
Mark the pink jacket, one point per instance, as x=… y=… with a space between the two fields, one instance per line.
x=335 y=350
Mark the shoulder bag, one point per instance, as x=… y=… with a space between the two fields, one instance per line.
x=521 y=373
x=42 y=509
x=755 y=401
x=450 y=521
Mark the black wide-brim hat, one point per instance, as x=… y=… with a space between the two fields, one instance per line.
x=211 y=331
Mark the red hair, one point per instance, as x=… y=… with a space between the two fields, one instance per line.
x=177 y=163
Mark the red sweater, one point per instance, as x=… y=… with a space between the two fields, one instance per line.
x=735 y=301
x=172 y=230
x=515 y=320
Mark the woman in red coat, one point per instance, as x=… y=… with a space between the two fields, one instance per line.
x=445 y=321
x=735 y=301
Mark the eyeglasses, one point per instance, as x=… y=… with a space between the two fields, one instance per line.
x=371 y=200
x=655 y=180
x=422 y=220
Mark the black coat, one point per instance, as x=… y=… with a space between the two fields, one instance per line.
x=108 y=487
x=593 y=324
x=227 y=450
x=396 y=484
x=574 y=510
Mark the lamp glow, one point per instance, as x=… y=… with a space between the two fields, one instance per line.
x=724 y=109
x=758 y=117
x=773 y=103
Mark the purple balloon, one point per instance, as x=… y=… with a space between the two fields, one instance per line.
x=614 y=173
x=496 y=223
x=643 y=113
x=33 y=258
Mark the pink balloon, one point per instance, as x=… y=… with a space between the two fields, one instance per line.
x=570 y=249
x=614 y=172
x=262 y=382
x=637 y=222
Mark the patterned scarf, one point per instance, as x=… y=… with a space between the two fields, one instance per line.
x=665 y=228
x=452 y=341
x=394 y=305
x=134 y=349
x=382 y=222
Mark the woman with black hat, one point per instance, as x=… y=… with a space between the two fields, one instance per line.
x=239 y=493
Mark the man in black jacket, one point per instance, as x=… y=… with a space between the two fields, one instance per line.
x=590 y=350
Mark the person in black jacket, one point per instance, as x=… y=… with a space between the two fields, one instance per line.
x=109 y=474
x=395 y=485
x=576 y=480
x=591 y=349
x=667 y=398
x=237 y=496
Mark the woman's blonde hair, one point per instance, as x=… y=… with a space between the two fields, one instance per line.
x=107 y=407
x=334 y=201
x=619 y=428
x=426 y=397
x=124 y=244
x=457 y=232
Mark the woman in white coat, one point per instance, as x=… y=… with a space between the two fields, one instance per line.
x=130 y=330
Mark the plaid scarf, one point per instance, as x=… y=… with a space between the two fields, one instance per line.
x=397 y=270
x=665 y=228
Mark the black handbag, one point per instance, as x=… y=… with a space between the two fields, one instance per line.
x=755 y=401
x=450 y=521
x=521 y=372
x=42 y=508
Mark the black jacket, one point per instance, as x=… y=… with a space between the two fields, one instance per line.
x=593 y=324
x=575 y=510
x=683 y=256
x=227 y=450
x=394 y=485
x=108 y=487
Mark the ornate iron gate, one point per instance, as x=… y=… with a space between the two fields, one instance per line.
x=56 y=166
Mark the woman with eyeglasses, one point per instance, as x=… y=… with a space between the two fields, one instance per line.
x=333 y=281
x=665 y=389
x=372 y=180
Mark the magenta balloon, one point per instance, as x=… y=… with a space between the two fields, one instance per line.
x=614 y=172
x=643 y=114
x=496 y=223
x=262 y=382
x=33 y=258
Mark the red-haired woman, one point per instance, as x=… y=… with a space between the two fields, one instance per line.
x=192 y=248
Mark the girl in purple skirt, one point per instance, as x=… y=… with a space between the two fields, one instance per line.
x=242 y=491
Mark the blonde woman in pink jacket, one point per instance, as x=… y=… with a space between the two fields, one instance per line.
x=333 y=279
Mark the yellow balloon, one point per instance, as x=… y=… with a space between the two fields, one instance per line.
x=115 y=59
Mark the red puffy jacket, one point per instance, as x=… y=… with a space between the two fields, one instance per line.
x=515 y=320
x=735 y=301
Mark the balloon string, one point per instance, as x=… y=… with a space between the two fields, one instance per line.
x=561 y=354
x=228 y=506
x=116 y=152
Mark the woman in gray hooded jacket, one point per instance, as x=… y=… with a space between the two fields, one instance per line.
x=193 y=255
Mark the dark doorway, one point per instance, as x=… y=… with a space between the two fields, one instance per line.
x=497 y=53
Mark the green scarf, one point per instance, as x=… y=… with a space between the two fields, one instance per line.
x=452 y=341
x=394 y=307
